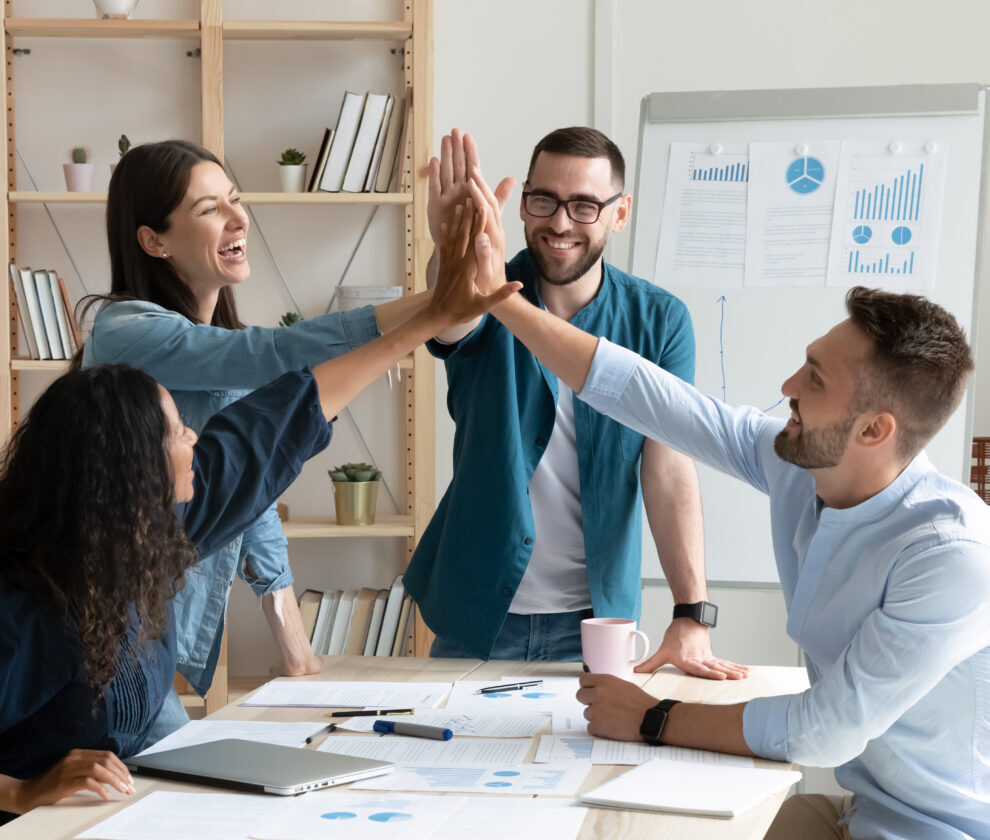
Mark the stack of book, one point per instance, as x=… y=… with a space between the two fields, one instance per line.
x=362 y=153
x=49 y=325
x=368 y=622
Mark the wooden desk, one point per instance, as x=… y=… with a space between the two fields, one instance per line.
x=75 y=814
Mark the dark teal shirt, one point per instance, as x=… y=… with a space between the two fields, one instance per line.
x=474 y=552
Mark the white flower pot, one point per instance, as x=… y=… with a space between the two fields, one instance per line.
x=114 y=8
x=78 y=176
x=293 y=177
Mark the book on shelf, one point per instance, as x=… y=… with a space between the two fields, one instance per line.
x=401 y=629
x=60 y=315
x=70 y=315
x=376 y=155
x=321 y=161
x=357 y=631
x=341 y=622
x=309 y=609
x=390 y=165
x=324 y=621
x=343 y=141
x=375 y=626
x=27 y=327
x=364 y=142
x=34 y=313
x=48 y=316
x=393 y=608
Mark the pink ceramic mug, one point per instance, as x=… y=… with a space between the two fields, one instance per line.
x=608 y=646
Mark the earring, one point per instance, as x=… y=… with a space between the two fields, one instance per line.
x=164 y=255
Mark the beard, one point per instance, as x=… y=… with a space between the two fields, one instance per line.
x=815 y=449
x=560 y=276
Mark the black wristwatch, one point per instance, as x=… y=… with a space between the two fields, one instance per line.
x=655 y=719
x=703 y=612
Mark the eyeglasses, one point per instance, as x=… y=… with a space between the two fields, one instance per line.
x=584 y=211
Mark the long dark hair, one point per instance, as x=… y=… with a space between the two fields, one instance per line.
x=87 y=519
x=148 y=183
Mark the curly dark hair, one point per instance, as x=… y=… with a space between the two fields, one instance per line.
x=147 y=184
x=87 y=518
x=919 y=367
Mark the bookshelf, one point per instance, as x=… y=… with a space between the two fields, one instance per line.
x=412 y=35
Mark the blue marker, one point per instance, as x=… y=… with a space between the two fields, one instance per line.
x=417 y=730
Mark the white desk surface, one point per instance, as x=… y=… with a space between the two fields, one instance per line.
x=77 y=813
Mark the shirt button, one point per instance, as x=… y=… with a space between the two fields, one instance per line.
x=507 y=591
x=528 y=541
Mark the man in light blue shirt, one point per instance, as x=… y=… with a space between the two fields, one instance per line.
x=884 y=564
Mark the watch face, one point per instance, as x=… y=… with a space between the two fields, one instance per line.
x=709 y=614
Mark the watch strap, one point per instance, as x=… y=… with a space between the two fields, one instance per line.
x=704 y=612
x=655 y=721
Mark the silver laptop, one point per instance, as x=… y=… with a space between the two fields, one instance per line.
x=249 y=765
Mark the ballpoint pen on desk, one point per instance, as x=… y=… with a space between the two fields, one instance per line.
x=370 y=713
x=491 y=689
x=417 y=730
x=330 y=727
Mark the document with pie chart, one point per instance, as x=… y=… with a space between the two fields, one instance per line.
x=888 y=213
x=790 y=206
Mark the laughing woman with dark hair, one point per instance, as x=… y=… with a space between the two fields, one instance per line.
x=92 y=551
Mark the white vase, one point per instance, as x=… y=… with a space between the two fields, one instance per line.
x=293 y=177
x=114 y=8
x=78 y=176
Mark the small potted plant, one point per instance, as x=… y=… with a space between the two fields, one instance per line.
x=114 y=8
x=79 y=173
x=355 y=493
x=123 y=146
x=292 y=170
x=288 y=319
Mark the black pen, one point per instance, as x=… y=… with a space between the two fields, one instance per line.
x=491 y=689
x=330 y=727
x=370 y=713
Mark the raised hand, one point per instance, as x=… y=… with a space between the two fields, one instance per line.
x=457 y=297
x=92 y=770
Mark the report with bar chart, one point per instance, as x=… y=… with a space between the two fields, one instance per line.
x=886 y=223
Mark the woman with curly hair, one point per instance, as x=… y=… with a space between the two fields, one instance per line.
x=178 y=242
x=92 y=551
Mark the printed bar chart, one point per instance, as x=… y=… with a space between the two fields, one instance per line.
x=880 y=264
x=897 y=200
x=735 y=172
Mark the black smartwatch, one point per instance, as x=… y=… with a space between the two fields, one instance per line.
x=654 y=721
x=703 y=612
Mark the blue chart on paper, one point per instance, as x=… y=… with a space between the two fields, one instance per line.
x=880 y=263
x=339 y=815
x=538 y=695
x=901 y=235
x=506 y=773
x=498 y=784
x=862 y=234
x=496 y=695
x=805 y=175
x=891 y=195
x=390 y=816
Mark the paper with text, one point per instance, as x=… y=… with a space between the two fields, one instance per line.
x=348 y=694
x=557 y=779
x=554 y=748
x=498 y=818
x=263 y=731
x=463 y=724
x=401 y=750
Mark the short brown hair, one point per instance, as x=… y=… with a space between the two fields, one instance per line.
x=919 y=367
x=581 y=141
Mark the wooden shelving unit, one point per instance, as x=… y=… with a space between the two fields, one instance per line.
x=209 y=32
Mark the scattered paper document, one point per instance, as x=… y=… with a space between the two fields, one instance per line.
x=703 y=228
x=164 y=815
x=557 y=779
x=267 y=732
x=888 y=215
x=682 y=787
x=790 y=204
x=570 y=721
x=554 y=748
x=349 y=694
x=498 y=818
x=400 y=750
x=475 y=725
x=555 y=693
x=318 y=816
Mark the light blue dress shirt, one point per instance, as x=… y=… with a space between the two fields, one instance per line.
x=890 y=601
x=206 y=368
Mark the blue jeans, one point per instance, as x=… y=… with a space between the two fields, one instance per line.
x=544 y=637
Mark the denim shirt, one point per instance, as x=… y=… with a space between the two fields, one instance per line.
x=473 y=554
x=889 y=600
x=206 y=368
x=46 y=704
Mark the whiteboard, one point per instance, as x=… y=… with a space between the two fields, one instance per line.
x=760 y=334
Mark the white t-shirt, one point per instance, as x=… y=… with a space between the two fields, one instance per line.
x=556 y=579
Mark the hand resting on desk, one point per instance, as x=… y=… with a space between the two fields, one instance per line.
x=90 y=770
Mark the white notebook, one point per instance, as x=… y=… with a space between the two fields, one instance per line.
x=683 y=787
